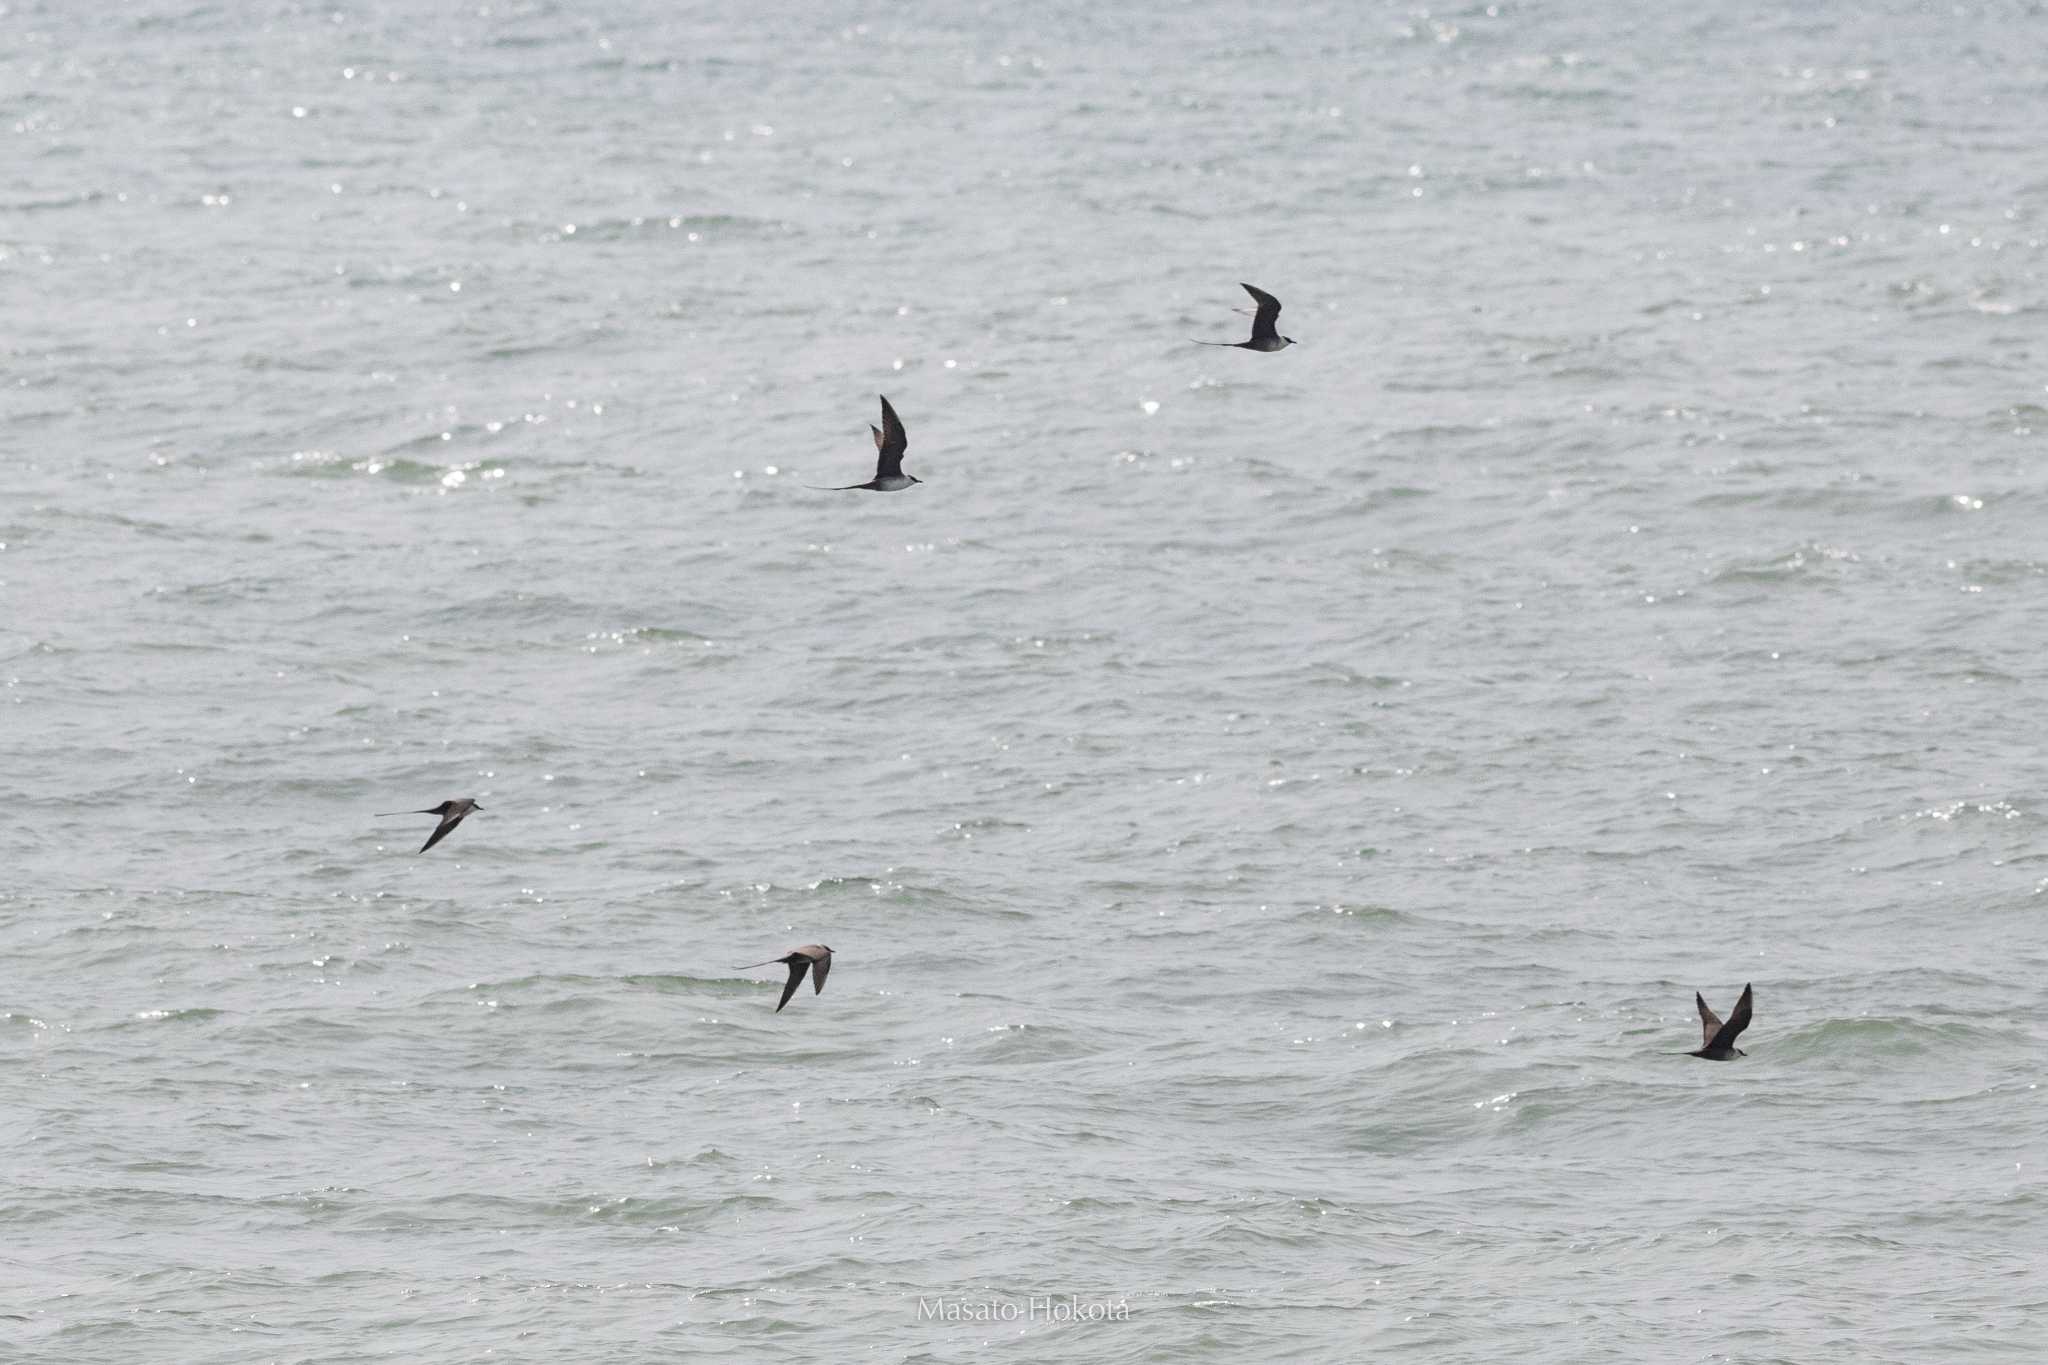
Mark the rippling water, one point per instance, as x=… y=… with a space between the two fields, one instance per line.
x=1272 y=812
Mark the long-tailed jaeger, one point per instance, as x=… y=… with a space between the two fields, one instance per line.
x=451 y=813
x=1717 y=1043
x=813 y=957
x=1265 y=329
x=890 y=442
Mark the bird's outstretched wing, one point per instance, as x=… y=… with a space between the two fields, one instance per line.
x=448 y=822
x=891 y=442
x=1710 y=1022
x=796 y=977
x=1738 y=1020
x=1266 y=322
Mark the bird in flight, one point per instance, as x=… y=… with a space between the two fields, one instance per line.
x=890 y=442
x=451 y=813
x=1265 y=331
x=1717 y=1042
x=813 y=957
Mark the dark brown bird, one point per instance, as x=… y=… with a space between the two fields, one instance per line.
x=890 y=443
x=1717 y=1042
x=1265 y=325
x=451 y=813
x=813 y=957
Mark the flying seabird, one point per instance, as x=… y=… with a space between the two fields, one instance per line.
x=813 y=956
x=1717 y=1040
x=451 y=813
x=890 y=441
x=1265 y=334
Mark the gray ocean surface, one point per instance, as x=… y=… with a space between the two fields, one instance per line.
x=1272 y=812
